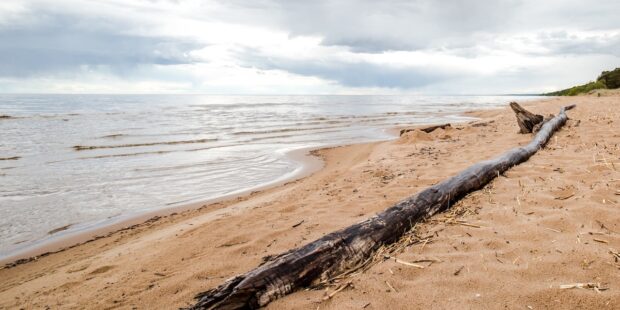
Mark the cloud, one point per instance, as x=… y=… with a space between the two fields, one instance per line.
x=352 y=73
x=375 y=26
x=50 y=43
x=399 y=25
x=562 y=43
x=283 y=46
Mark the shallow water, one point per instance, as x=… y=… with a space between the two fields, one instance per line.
x=81 y=159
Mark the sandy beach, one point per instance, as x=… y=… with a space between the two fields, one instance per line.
x=549 y=222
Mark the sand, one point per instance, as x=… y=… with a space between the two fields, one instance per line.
x=551 y=221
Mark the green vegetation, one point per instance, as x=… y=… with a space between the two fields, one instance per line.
x=611 y=79
x=607 y=80
x=576 y=90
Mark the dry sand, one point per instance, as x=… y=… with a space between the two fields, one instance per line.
x=550 y=221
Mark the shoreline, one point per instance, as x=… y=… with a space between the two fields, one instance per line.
x=520 y=231
x=308 y=164
x=77 y=232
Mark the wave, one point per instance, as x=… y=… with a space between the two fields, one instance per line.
x=283 y=130
x=116 y=135
x=122 y=155
x=92 y=147
x=157 y=152
x=10 y=158
x=288 y=136
x=240 y=105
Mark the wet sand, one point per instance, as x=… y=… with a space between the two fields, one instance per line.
x=551 y=221
x=68 y=239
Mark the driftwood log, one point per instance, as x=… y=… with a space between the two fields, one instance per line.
x=528 y=121
x=427 y=129
x=339 y=251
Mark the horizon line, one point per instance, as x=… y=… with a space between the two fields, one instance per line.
x=223 y=94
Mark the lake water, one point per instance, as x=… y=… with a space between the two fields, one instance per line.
x=81 y=160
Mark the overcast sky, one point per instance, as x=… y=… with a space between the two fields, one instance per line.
x=305 y=47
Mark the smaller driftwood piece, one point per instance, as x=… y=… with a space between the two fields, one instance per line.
x=426 y=129
x=528 y=121
x=342 y=250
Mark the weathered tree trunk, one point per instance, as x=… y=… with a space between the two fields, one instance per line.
x=341 y=250
x=526 y=119
x=427 y=129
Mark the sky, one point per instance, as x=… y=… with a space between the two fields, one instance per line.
x=305 y=47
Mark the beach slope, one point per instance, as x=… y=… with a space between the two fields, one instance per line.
x=551 y=221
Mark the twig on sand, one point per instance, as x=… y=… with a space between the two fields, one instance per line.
x=342 y=287
x=404 y=262
x=616 y=256
x=565 y=196
x=424 y=242
x=612 y=166
x=391 y=287
x=467 y=224
x=596 y=233
x=226 y=245
x=302 y=221
x=593 y=286
x=427 y=260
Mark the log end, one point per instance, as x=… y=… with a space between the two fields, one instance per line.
x=526 y=120
x=569 y=107
x=225 y=296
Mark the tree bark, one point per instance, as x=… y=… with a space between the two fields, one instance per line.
x=526 y=119
x=344 y=249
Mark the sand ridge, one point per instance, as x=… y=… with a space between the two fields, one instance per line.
x=551 y=221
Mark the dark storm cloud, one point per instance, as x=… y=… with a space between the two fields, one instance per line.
x=62 y=43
